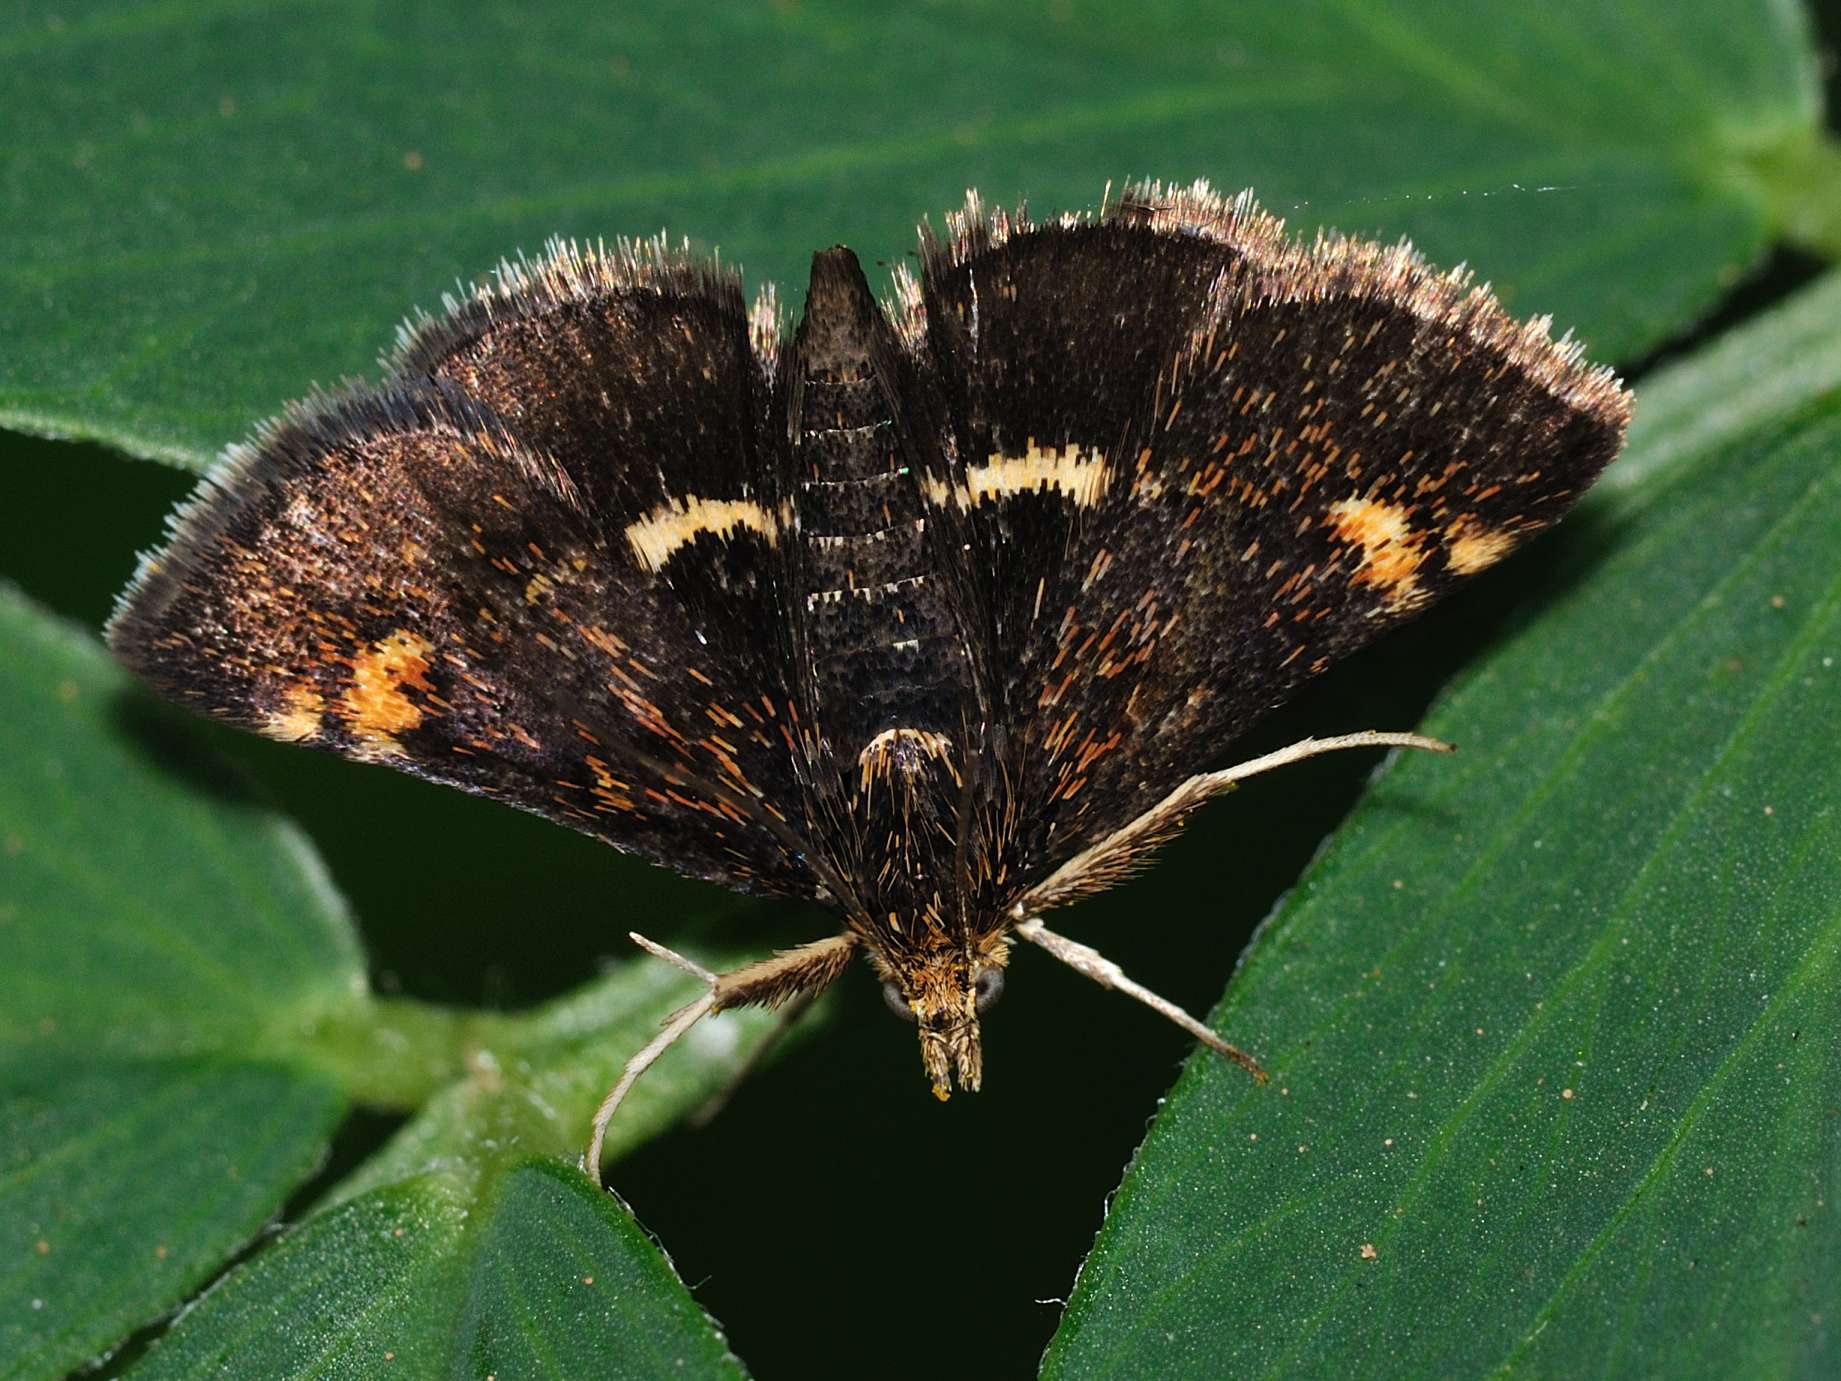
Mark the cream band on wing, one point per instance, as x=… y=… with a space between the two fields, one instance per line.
x=677 y=522
x=1078 y=472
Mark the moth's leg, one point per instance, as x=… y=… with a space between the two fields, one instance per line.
x=783 y=977
x=1312 y=747
x=1085 y=959
x=675 y=1026
x=1112 y=859
x=795 y=1008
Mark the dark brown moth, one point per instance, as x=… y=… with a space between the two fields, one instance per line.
x=935 y=613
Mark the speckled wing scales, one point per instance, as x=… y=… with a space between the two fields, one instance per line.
x=1205 y=462
x=637 y=367
x=554 y=598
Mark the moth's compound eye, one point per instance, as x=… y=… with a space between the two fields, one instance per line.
x=898 y=1004
x=987 y=987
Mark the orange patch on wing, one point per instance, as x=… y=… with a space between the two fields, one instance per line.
x=609 y=790
x=374 y=706
x=1392 y=552
x=299 y=717
x=1474 y=546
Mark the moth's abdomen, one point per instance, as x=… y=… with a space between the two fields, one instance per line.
x=884 y=647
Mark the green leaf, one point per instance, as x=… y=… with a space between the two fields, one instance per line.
x=183 y=1022
x=453 y=1251
x=532 y=1082
x=1552 y=1024
x=210 y=207
x=543 y=1276
x=154 y=1117
x=567 y=1285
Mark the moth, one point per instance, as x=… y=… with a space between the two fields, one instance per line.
x=938 y=612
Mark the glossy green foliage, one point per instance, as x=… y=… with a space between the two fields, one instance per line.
x=208 y=207
x=183 y=1022
x=1552 y=1026
x=1552 y=1021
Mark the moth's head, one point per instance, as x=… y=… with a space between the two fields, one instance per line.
x=943 y=990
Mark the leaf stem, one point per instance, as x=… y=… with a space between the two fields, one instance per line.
x=395 y=1053
x=1802 y=181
